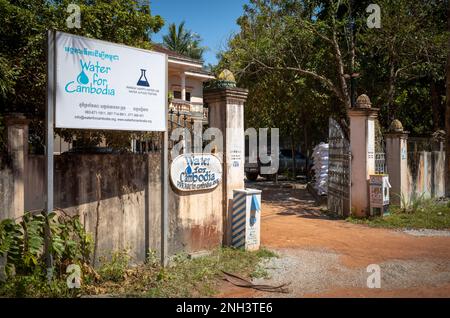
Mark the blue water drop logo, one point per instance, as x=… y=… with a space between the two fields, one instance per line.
x=188 y=169
x=82 y=78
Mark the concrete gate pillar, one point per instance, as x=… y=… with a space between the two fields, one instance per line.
x=397 y=162
x=362 y=146
x=17 y=145
x=226 y=112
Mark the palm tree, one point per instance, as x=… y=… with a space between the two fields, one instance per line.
x=183 y=41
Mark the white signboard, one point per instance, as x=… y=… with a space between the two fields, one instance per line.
x=379 y=190
x=193 y=172
x=102 y=85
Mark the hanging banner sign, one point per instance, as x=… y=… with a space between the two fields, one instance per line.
x=193 y=172
x=103 y=85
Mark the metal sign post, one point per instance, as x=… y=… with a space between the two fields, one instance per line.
x=49 y=133
x=165 y=187
x=164 y=200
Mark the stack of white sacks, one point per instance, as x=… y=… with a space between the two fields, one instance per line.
x=320 y=156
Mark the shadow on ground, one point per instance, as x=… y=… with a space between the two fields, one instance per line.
x=292 y=197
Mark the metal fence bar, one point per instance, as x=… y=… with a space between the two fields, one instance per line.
x=380 y=163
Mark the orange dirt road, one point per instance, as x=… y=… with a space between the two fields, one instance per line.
x=292 y=225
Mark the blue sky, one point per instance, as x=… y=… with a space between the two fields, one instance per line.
x=213 y=20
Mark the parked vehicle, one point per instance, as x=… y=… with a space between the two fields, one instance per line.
x=287 y=161
x=93 y=150
x=285 y=164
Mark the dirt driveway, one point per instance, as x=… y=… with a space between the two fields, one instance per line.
x=321 y=257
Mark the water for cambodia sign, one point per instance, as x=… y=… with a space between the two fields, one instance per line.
x=194 y=172
x=103 y=85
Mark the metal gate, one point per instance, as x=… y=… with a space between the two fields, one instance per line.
x=380 y=150
x=339 y=170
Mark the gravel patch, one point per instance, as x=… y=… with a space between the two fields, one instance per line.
x=429 y=233
x=317 y=271
x=307 y=271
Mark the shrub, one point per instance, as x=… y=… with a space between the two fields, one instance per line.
x=22 y=243
x=412 y=204
x=114 y=269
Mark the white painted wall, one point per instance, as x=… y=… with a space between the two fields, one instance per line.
x=193 y=86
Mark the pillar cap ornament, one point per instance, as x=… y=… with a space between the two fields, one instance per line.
x=363 y=108
x=11 y=119
x=225 y=79
x=396 y=130
x=226 y=75
x=363 y=101
x=396 y=126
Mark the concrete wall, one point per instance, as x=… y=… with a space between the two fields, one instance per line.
x=6 y=189
x=426 y=173
x=118 y=199
x=196 y=91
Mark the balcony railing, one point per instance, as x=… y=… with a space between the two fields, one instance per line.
x=191 y=109
x=180 y=106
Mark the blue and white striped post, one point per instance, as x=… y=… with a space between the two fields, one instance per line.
x=246 y=219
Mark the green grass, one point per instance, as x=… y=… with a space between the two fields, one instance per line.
x=425 y=214
x=185 y=277
x=199 y=277
x=115 y=268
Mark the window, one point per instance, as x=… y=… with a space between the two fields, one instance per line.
x=177 y=95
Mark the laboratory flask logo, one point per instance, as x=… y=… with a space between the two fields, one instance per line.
x=143 y=79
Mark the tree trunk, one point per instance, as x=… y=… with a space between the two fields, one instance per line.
x=353 y=93
x=293 y=156
x=343 y=87
x=342 y=81
x=305 y=152
x=447 y=113
x=435 y=106
x=391 y=112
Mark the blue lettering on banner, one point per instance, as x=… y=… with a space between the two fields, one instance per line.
x=97 y=85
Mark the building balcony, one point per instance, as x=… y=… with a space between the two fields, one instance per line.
x=189 y=109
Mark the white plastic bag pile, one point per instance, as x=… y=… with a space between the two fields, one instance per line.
x=320 y=156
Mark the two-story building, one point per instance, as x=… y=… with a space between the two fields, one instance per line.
x=186 y=78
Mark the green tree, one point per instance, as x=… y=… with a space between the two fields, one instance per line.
x=324 y=43
x=23 y=43
x=280 y=53
x=184 y=41
x=404 y=60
